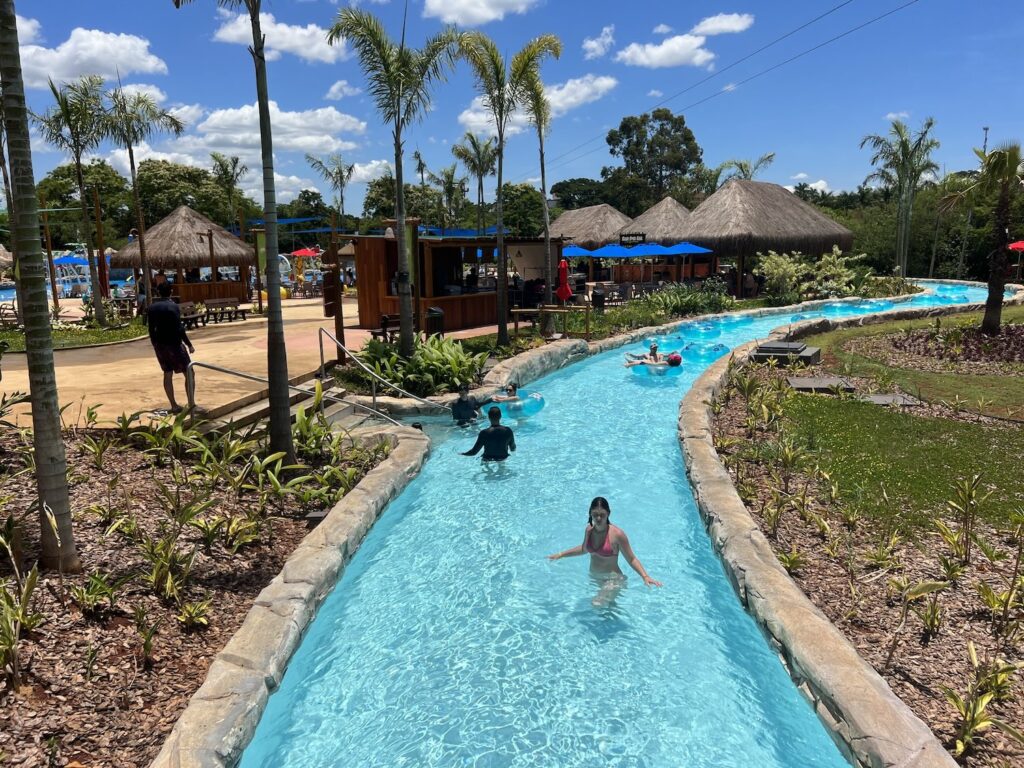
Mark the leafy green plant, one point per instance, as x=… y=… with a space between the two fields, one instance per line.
x=98 y=587
x=972 y=707
x=782 y=274
x=16 y=614
x=952 y=569
x=170 y=438
x=437 y=365
x=125 y=424
x=792 y=561
x=884 y=555
x=967 y=500
x=147 y=635
x=910 y=593
x=97 y=447
x=240 y=532
x=194 y=615
x=209 y=530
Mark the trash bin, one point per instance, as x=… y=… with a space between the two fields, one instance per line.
x=597 y=298
x=434 y=321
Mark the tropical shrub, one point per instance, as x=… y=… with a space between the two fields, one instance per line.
x=782 y=274
x=833 y=275
x=437 y=365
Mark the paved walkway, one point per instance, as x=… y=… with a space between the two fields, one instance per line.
x=125 y=377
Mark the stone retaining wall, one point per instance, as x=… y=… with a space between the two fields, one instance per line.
x=222 y=715
x=870 y=723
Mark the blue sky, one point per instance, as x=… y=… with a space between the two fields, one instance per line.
x=958 y=62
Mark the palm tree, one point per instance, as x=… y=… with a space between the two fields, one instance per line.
x=479 y=159
x=538 y=109
x=1002 y=174
x=453 y=193
x=132 y=118
x=746 y=169
x=9 y=198
x=277 y=356
x=58 y=547
x=901 y=161
x=227 y=172
x=421 y=167
x=75 y=124
x=399 y=81
x=503 y=88
x=335 y=172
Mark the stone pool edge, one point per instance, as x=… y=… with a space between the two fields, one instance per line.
x=872 y=725
x=221 y=717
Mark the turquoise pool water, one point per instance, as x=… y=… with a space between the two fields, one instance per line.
x=453 y=641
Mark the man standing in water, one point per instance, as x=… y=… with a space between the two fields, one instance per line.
x=496 y=440
x=466 y=408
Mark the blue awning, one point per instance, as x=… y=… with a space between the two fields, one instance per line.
x=79 y=261
x=647 y=250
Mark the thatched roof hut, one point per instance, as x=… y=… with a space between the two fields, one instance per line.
x=6 y=258
x=744 y=217
x=662 y=223
x=590 y=227
x=174 y=243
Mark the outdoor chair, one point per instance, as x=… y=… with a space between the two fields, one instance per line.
x=8 y=316
x=189 y=316
x=223 y=309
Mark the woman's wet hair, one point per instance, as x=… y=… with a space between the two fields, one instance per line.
x=599 y=502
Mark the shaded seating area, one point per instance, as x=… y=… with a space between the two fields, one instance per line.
x=185 y=245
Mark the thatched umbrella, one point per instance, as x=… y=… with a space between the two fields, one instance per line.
x=175 y=243
x=6 y=258
x=662 y=223
x=745 y=217
x=590 y=227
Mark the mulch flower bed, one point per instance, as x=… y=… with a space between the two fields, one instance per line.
x=89 y=696
x=848 y=566
x=959 y=343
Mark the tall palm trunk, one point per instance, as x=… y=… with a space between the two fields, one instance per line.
x=9 y=197
x=549 y=266
x=141 y=225
x=998 y=261
x=277 y=356
x=480 y=204
x=502 y=256
x=405 y=320
x=90 y=253
x=58 y=550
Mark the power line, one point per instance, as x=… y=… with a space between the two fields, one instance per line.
x=719 y=72
x=756 y=75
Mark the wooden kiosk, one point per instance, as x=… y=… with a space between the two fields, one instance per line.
x=454 y=274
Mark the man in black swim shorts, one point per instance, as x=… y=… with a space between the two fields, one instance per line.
x=466 y=408
x=496 y=440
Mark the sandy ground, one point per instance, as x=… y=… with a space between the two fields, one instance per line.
x=125 y=377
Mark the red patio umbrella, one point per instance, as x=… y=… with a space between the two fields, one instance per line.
x=305 y=252
x=563 y=292
x=1018 y=246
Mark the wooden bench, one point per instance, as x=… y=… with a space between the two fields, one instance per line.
x=189 y=316
x=220 y=309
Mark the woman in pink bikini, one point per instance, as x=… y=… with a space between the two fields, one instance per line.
x=603 y=542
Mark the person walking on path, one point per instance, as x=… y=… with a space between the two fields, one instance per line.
x=167 y=334
x=496 y=440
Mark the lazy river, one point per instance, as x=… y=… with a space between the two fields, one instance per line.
x=453 y=641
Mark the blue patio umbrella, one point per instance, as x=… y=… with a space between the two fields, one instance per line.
x=574 y=251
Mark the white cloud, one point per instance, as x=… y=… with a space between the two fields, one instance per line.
x=86 y=52
x=662 y=29
x=311 y=130
x=799 y=177
x=155 y=93
x=723 y=23
x=363 y=172
x=902 y=115
x=821 y=185
x=470 y=13
x=596 y=47
x=188 y=113
x=654 y=93
x=729 y=87
x=28 y=29
x=674 y=51
x=341 y=89
x=308 y=42
x=286 y=188
x=118 y=158
x=562 y=98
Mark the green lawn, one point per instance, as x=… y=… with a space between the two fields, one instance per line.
x=1005 y=393
x=865 y=447
x=79 y=338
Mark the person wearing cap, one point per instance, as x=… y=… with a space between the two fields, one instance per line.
x=466 y=408
x=651 y=358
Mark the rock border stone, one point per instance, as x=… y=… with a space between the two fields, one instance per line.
x=221 y=717
x=872 y=726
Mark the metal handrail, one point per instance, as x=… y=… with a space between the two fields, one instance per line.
x=196 y=364
x=374 y=376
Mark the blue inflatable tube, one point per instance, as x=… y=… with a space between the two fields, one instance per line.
x=656 y=370
x=527 y=405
